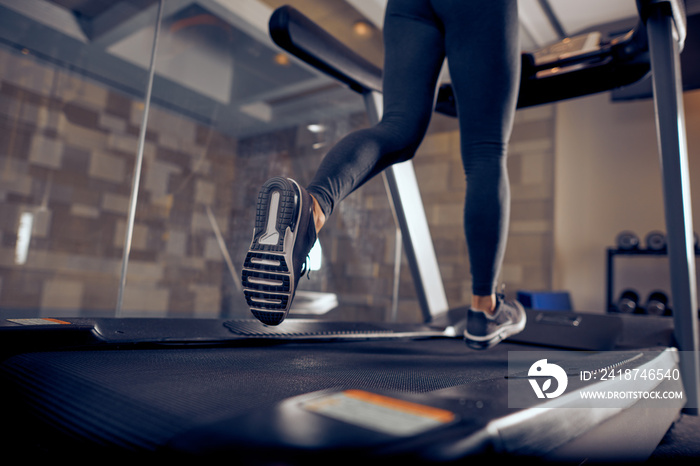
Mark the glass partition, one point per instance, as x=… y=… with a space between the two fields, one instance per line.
x=135 y=137
x=230 y=110
x=69 y=112
x=135 y=134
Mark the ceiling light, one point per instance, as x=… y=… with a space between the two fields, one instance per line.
x=282 y=59
x=315 y=128
x=362 y=29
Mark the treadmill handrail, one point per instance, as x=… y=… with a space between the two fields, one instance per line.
x=300 y=36
x=678 y=13
x=303 y=38
x=621 y=48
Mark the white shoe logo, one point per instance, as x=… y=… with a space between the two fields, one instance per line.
x=271 y=235
x=544 y=369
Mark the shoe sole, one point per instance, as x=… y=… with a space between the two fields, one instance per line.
x=268 y=274
x=501 y=335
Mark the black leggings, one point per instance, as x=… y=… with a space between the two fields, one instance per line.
x=480 y=40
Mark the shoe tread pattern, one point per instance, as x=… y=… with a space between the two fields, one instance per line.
x=266 y=275
x=285 y=213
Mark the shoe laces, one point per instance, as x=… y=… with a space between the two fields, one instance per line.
x=306 y=268
x=502 y=304
x=502 y=293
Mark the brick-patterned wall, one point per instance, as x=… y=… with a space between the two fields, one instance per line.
x=67 y=152
x=529 y=258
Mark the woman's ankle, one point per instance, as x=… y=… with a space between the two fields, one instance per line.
x=319 y=216
x=484 y=303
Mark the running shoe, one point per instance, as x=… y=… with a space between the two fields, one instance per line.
x=485 y=331
x=283 y=236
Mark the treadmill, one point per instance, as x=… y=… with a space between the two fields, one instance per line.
x=313 y=390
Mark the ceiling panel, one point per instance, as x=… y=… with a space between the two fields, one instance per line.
x=576 y=16
x=229 y=71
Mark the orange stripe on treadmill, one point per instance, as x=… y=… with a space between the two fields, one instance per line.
x=56 y=321
x=437 y=414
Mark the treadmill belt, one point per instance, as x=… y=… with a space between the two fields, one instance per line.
x=251 y=328
x=137 y=399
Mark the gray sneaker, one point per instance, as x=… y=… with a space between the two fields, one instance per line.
x=283 y=236
x=484 y=331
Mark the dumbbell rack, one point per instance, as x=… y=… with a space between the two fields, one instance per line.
x=612 y=253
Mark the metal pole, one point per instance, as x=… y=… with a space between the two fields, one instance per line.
x=138 y=165
x=398 y=248
x=673 y=151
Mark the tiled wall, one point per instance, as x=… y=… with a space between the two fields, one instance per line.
x=67 y=153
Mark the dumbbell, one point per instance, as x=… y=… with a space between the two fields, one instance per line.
x=657 y=304
x=655 y=241
x=627 y=241
x=628 y=303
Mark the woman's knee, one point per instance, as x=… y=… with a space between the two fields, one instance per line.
x=485 y=156
x=401 y=136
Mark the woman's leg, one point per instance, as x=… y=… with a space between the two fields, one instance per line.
x=482 y=47
x=414 y=53
x=288 y=216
